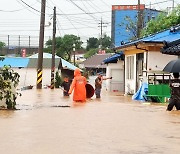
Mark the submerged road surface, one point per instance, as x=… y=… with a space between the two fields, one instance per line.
x=48 y=123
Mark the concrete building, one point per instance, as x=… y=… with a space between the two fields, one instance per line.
x=143 y=57
x=115 y=69
x=27 y=68
x=124 y=21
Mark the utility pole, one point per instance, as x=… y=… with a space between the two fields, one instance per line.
x=41 y=45
x=150 y=12
x=101 y=28
x=172 y=4
x=53 y=49
x=139 y=21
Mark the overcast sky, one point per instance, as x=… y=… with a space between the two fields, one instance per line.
x=22 y=17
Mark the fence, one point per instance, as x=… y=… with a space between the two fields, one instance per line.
x=16 y=43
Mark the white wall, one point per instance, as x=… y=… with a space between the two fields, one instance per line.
x=130 y=84
x=28 y=76
x=157 y=61
x=119 y=66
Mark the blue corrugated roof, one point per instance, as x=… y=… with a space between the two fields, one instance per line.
x=23 y=62
x=168 y=35
x=113 y=58
x=15 y=62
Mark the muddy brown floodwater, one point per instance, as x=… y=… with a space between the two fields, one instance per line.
x=47 y=123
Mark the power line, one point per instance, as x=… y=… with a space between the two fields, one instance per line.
x=30 y=6
x=85 y=6
x=159 y=2
x=68 y=19
x=94 y=6
x=12 y=10
x=88 y=13
x=105 y=3
x=82 y=9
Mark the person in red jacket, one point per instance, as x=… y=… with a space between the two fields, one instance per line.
x=79 y=87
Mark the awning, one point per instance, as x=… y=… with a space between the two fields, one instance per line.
x=114 y=58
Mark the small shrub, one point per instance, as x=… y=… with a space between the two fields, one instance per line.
x=8 y=83
x=58 y=80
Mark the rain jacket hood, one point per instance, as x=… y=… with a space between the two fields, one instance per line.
x=77 y=72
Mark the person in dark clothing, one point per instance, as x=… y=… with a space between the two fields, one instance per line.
x=66 y=86
x=98 y=84
x=175 y=93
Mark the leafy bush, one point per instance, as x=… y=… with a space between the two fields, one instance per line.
x=8 y=82
x=58 y=80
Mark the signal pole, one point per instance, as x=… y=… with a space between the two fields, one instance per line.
x=53 y=50
x=41 y=45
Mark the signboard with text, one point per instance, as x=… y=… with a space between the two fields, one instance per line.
x=23 y=52
x=128 y=7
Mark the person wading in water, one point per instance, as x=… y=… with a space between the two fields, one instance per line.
x=175 y=93
x=98 y=84
x=79 y=87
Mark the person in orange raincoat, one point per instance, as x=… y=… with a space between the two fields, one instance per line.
x=79 y=87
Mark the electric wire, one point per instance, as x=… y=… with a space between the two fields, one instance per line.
x=30 y=6
x=67 y=19
x=83 y=10
x=94 y=6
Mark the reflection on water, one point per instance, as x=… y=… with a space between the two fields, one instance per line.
x=48 y=123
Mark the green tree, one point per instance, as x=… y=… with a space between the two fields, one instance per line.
x=106 y=42
x=2 y=44
x=91 y=52
x=130 y=25
x=92 y=43
x=162 y=22
x=64 y=45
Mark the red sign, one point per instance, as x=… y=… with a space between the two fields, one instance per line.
x=23 y=52
x=128 y=7
x=101 y=51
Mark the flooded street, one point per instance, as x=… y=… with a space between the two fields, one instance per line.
x=47 y=123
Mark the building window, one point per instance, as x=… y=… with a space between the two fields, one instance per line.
x=139 y=58
x=130 y=67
